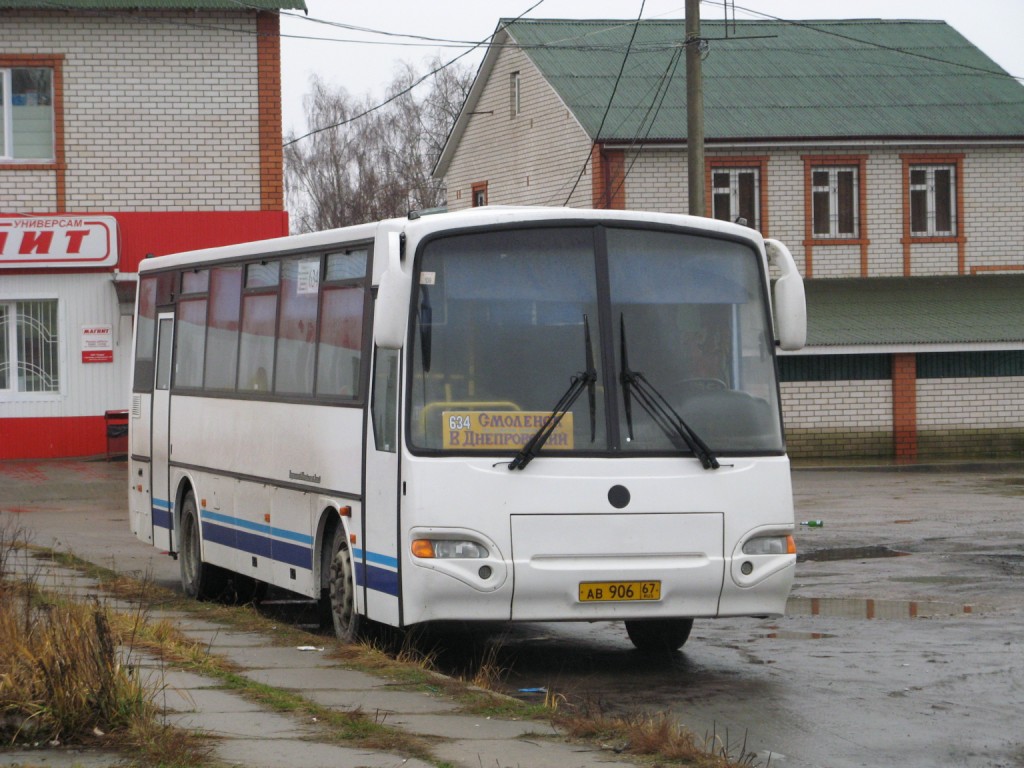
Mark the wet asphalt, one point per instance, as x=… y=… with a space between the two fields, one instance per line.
x=899 y=646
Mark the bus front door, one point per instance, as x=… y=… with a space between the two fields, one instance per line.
x=377 y=559
x=163 y=505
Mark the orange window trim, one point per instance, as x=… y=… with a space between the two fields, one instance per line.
x=760 y=162
x=810 y=241
x=59 y=165
x=479 y=186
x=956 y=160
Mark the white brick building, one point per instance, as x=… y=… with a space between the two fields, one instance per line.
x=126 y=130
x=888 y=155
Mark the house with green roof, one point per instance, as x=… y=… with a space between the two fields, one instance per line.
x=888 y=156
x=128 y=128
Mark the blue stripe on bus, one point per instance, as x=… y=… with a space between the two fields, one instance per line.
x=377 y=579
x=280 y=533
x=162 y=514
x=375 y=557
x=279 y=551
x=256 y=541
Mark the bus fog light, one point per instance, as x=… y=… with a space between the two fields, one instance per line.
x=747 y=568
x=770 y=545
x=444 y=549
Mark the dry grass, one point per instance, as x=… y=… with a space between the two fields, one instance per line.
x=658 y=737
x=68 y=679
x=73 y=682
x=67 y=675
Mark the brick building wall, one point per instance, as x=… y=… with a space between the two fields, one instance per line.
x=848 y=418
x=180 y=134
x=167 y=123
x=533 y=158
x=960 y=416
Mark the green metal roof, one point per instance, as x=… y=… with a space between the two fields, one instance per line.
x=882 y=311
x=777 y=80
x=150 y=5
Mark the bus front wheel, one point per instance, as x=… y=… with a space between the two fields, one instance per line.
x=198 y=579
x=659 y=635
x=348 y=624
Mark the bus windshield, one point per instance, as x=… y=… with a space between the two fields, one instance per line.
x=507 y=321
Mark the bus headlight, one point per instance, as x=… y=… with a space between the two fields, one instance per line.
x=448 y=548
x=770 y=545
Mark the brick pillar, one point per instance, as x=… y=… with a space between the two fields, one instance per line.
x=608 y=178
x=268 y=66
x=904 y=407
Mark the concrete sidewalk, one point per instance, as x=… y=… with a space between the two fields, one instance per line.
x=80 y=507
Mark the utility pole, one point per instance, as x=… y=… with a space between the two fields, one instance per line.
x=694 y=111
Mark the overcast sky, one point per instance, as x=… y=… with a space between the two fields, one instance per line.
x=364 y=62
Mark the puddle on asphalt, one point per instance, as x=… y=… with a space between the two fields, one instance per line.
x=784 y=634
x=866 y=608
x=849 y=553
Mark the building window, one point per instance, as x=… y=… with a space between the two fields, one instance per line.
x=514 y=94
x=480 y=194
x=834 y=209
x=26 y=113
x=735 y=193
x=29 y=347
x=933 y=200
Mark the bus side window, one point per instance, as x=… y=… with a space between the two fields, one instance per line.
x=384 y=406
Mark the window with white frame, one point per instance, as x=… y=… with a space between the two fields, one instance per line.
x=933 y=200
x=514 y=94
x=29 y=347
x=734 y=195
x=834 y=209
x=26 y=113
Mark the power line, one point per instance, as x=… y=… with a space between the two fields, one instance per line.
x=871 y=43
x=608 y=107
x=414 y=85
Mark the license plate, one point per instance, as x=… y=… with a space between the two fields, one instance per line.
x=619 y=591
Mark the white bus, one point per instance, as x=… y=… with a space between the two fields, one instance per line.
x=515 y=414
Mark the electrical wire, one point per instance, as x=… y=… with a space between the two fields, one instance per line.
x=608 y=107
x=869 y=43
x=414 y=85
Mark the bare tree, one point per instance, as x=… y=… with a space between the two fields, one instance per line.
x=371 y=162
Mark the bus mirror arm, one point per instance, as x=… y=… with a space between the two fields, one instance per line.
x=789 y=303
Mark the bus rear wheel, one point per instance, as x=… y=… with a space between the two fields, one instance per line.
x=198 y=579
x=348 y=624
x=659 y=635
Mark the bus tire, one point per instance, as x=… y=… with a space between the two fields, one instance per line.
x=659 y=635
x=198 y=579
x=348 y=624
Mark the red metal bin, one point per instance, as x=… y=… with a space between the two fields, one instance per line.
x=117 y=433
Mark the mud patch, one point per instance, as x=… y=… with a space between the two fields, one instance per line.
x=849 y=553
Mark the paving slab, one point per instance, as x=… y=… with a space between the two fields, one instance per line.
x=216 y=639
x=377 y=700
x=524 y=753
x=312 y=678
x=60 y=758
x=278 y=657
x=455 y=726
x=254 y=724
x=267 y=753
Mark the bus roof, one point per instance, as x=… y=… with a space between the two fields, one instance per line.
x=420 y=225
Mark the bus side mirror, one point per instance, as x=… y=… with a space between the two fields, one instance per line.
x=391 y=312
x=789 y=304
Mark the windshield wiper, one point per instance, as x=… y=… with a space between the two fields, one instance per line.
x=657 y=407
x=584 y=379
